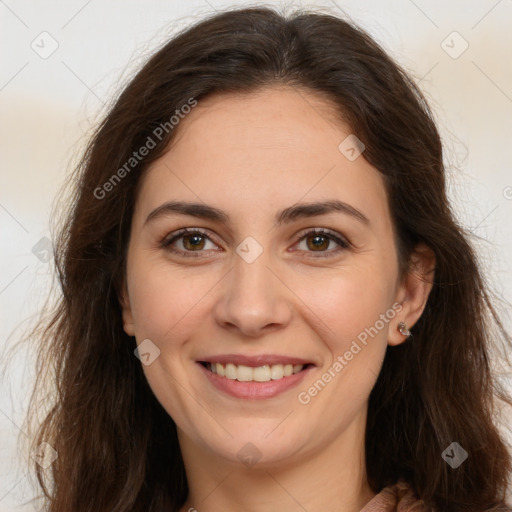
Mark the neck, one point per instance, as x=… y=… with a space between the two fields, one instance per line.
x=330 y=478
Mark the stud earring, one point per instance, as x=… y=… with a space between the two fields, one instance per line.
x=402 y=327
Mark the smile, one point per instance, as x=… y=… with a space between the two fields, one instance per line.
x=264 y=373
x=254 y=378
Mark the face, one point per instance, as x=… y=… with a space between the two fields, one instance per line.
x=261 y=285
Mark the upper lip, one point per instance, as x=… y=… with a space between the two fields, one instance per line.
x=254 y=361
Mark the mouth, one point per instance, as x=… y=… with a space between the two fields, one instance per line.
x=254 y=377
x=261 y=373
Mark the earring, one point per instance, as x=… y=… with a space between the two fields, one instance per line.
x=402 y=327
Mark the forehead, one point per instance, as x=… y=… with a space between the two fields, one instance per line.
x=267 y=149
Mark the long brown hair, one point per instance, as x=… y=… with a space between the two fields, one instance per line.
x=117 y=447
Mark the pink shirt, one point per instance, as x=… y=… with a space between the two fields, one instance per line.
x=395 y=498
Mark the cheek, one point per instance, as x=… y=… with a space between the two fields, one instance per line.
x=352 y=310
x=353 y=314
x=166 y=300
x=348 y=302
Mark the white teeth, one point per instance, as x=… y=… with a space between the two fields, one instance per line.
x=276 y=371
x=263 y=373
x=230 y=371
x=244 y=373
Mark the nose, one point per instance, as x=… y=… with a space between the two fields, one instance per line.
x=254 y=299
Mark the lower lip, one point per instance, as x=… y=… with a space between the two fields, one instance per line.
x=254 y=390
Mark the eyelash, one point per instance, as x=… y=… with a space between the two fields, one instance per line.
x=166 y=243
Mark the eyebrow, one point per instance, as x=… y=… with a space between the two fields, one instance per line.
x=286 y=216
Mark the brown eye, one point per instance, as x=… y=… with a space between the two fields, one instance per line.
x=188 y=242
x=192 y=242
x=319 y=241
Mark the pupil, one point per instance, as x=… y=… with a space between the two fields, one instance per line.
x=194 y=240
x=319 y=241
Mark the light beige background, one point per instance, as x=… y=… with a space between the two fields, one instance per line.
x=49 y=104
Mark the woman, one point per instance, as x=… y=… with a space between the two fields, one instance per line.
x=205 y=357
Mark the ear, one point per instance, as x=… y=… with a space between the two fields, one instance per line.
x=124 y=301
x=413 y=291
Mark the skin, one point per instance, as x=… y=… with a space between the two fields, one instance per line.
x=253 y=155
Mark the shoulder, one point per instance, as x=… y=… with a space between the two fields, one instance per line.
x=399 y=497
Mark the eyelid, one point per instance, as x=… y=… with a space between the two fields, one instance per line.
x=175 y=235
x=343 y=243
